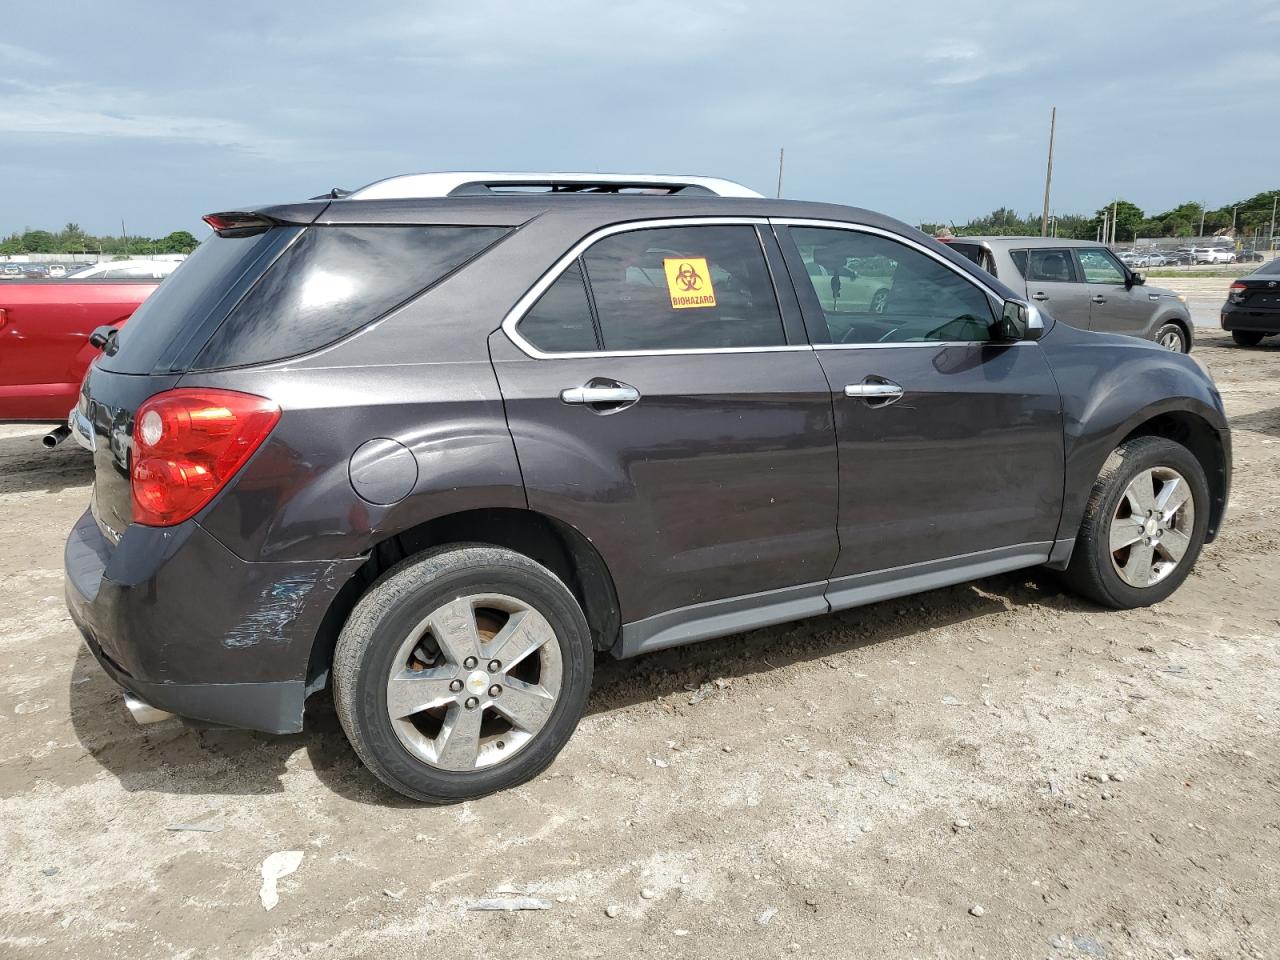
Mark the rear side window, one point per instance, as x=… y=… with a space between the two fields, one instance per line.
x=975 y=252
x=1047 y=266
x=683 y=288
x=332 y=282
x=186 y=299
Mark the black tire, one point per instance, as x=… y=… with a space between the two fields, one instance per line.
x=1091 y=572
x=1247 y=338
x=389 y=611
x=1171 y=330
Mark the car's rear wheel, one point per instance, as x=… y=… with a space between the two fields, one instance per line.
x=1143 y=526
x=461 y=672
x=1172 y=337
x=1247 y=338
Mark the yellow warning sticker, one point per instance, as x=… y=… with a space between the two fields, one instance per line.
x=689 y=282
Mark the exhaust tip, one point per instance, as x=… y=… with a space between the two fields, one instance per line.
x=143 y=712
x=55 y=437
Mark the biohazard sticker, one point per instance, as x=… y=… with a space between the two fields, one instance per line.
x=689 y=282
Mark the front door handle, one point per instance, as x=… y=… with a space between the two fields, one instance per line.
x=1097 y=298
x=1039 y=295
x=876 y=391
x=589 y=394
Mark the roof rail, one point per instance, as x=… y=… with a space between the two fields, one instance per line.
x=482 y=184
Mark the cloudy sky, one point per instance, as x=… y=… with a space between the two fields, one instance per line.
x=159 y=112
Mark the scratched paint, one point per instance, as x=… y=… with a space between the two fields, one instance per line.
x=277 y=607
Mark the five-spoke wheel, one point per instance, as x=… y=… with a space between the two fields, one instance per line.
x=1143 y=525
x=462 y=671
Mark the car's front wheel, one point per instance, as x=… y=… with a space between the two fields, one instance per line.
x=1172 y=337
x=1143 y=526
x=1247 y=338
x=462 y=671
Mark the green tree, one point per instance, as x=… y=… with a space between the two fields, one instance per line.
x=1128 y=218
x=180 y=241
x=39 y=241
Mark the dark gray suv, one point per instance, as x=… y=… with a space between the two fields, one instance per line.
x=436 y=443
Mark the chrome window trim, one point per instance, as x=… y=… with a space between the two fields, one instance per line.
x=924 y=343
x=889 y=235
x=511 y=321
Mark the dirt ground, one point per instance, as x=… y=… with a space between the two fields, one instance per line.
x=1099 y=783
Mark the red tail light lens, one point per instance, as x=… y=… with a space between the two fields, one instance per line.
x=187 y=444
x=1236 y=293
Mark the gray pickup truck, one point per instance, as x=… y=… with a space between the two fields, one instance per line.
x=1083 y=284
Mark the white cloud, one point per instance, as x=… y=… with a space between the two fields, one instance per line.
x=21 y=56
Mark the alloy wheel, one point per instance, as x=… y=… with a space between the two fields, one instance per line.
x=474 y=682
x=1171 y=340
x=1152 y=526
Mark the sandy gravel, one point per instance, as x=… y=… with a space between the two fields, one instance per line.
x=847 y=787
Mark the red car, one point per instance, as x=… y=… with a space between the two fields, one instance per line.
x=44 y=340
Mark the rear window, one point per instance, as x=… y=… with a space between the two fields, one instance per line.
x=335 y=280
x=975 y=252
x=188 y=298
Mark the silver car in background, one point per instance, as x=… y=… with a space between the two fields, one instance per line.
x=1083 y=284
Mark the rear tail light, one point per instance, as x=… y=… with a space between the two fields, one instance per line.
x=1236 y=293
x=187 y=444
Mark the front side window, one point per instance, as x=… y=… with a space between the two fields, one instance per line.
x=1046 y=266
x=1100 y=266
x=875 y=290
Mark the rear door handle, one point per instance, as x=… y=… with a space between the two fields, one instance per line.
x=1097 y=298
x=622 y=393
x=1039 y=295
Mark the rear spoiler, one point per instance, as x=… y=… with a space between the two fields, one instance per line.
x=249 y=220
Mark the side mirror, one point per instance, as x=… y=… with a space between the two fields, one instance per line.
x=1134 y=280
x=1020 y=321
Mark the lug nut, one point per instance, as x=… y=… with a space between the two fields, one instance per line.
x=471 y=703
x=495 y=690
x=494 y=666
x=470 y=663
x=455 y=685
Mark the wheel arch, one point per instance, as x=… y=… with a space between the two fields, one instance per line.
x=558 y=546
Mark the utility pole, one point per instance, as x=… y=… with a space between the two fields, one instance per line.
x=1273 y=221
x=1048 y=174
x=124 y=236
x=781 y=153
x=1202 y=206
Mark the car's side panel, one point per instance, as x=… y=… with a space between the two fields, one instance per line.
x=44 y=340
x=720 y=481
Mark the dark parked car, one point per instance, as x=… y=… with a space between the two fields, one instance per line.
x=1083 y=284
x=1252 y=310
x=436 y=444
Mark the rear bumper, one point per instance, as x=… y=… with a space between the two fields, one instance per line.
x=179 y=621
x=1240 y=317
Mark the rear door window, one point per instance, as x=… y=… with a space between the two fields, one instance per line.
x=335 y=280
x=683 y=288
x=1046 y=266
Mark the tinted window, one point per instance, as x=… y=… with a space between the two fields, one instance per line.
x=975 y=252
x=560 y=322
x=1271 y=266
x=680 y=288
x=187 y=298
x=333 y=281
x=1047 y=266
x=875 y=290
x=1100 y=266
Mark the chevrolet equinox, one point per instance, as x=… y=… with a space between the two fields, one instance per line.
x=435 y=443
